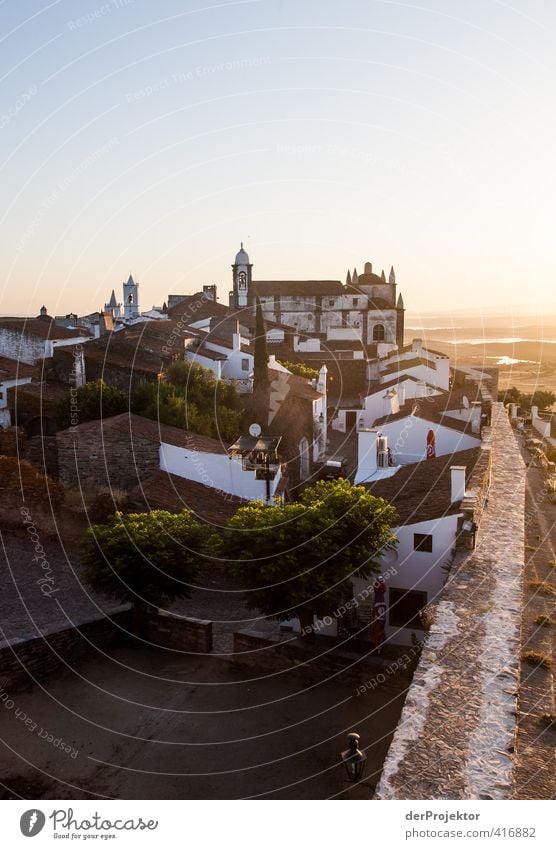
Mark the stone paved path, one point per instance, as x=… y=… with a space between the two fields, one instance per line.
x=535 y=771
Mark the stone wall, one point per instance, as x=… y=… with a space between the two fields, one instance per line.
x=316 y=662
x=24 y=661
x=456 y=735
x=20 y=346
x=167 y=630
x=95 y=457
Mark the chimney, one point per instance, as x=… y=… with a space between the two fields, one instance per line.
x=513 y=411
x=534 y=412
x=236 y=338
x=366 y=454
x=321 y=383
x=476 y=410
x=458 y=483
x=417 y=346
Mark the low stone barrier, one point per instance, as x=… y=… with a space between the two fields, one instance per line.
x=316 y=662
x=27 y=660
x=171 y=631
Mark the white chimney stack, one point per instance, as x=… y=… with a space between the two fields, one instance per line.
x=513 y=411
x=534 y=412
x=236 y=338
x=476 y=410
x=458 y=483
x=366 y=454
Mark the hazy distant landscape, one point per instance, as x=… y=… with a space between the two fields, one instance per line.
x=523 y=348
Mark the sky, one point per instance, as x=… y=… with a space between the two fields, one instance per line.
x=152 y=138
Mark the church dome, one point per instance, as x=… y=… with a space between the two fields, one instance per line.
x=242 y=257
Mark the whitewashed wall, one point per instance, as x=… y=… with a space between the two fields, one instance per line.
x=216 y=470
x=407 y=439
x=417 y=570
x=8 y=384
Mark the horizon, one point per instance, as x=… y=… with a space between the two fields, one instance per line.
x=155 y=141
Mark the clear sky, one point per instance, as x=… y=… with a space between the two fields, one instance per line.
x=152 y=137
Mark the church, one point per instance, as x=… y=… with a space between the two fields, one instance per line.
x=130 y=309
x=366 y=307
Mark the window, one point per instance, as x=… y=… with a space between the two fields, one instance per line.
x=355 y=302
x=404 y=608
x=245 y=364
x=422 y=542
x=242 y=279
x=378 y=333
x=331 y=302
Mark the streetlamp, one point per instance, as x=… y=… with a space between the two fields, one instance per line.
x=353 y=758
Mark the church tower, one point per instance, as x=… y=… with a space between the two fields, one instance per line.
x=131 y=298
x=113 y=308
x=241 y=295
x=400 y=321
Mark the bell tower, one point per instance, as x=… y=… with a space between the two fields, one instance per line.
x=240 y=296
x=131 y=298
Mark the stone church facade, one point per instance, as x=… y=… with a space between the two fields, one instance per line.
x=366 y=307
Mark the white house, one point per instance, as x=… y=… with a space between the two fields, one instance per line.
x=229 y=360
x=207 y=461
x=30 y=339
x=12 y=373
x=430 y=367
x=410 y=435
x=428 y=499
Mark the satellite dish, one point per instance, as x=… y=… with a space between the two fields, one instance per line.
x=255 y=430
x=466 y=402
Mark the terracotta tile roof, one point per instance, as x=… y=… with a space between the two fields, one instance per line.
x=13 y=369
x=402 y=365
x=203 y=351
x=298 y=288
x=422 y=491
x=298 y=386
x=42 y=328
x=422 y=410
x=142 y=347
x=171 y=492
x=197 y=306
x=405 y=349
x=45 y=391
x=139 y=427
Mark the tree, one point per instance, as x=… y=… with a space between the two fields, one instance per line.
x=299 y=558
x=145 y=558
x=510 y=396
x=301 y=370
x=542 y=399
x=260 y=365
x=94 y=400
x=191 y=397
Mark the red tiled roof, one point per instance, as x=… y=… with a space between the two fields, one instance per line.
x=42 y=328
x=429 y=414
x=422 y=491
x=203 y=351
x=170 y=492
x=298 y=386
x=405 y=349
x=300 y=288
x=13 y=369
x=140 y=427
x=45 y=391
x=402 y=365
